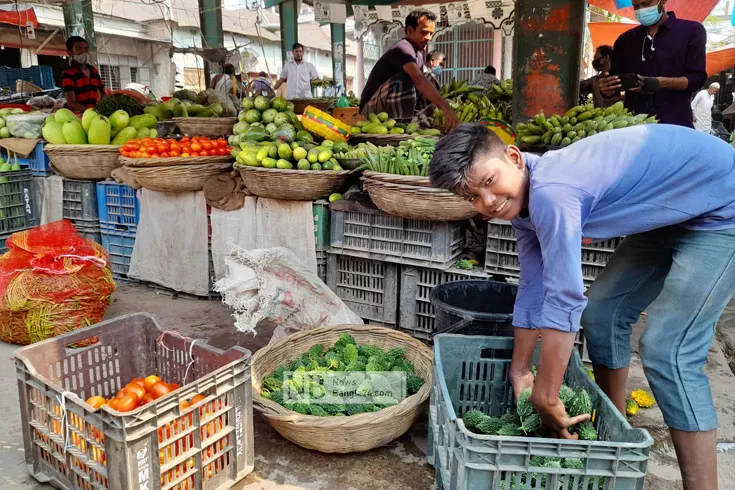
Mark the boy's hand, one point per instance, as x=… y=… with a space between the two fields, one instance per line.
x=555 y=419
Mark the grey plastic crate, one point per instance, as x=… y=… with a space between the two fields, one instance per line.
x=471 y=372
x=415 y=312
x=367 y=287
x=80 y=200
x=89 y=230
x=321 y=266
x=501 y=254
x=379 y=236
x=207 y=446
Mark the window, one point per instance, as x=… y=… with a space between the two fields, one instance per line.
x=110 y=76
x=134 y=74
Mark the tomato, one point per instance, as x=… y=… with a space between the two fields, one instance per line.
x=113 y=403
x=207 y=145
x=138 y=381
x=135 y=389
x=160 y=389
x=96 y=401
x=161 y=147
x=175 y=153
x=185 y=155
x=174 y=145
x=149 y=381
x=224 y=151
x=155 y=155
x=196 y=399
x=204 y=153
x=147 y=399
x=174 y=386
x=127 y=403
x=144 y=154
x=184 y=405
x=125 y=153
x=196 y=146
x=195 y=153
x=165 y=154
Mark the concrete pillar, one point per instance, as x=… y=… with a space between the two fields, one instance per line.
x=549 y=37
x=507 y=29
x=339 y=56
x=498 y=52
x=289 y=16
x=210 y=20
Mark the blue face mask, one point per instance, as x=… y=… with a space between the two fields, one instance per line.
x=648 y=16
x=436 y=71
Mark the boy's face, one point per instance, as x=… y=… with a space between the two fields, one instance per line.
x=498 y=187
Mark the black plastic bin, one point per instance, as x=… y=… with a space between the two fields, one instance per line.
x=474 y=307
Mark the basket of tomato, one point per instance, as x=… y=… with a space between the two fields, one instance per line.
x=175 y=165
x=136 y=401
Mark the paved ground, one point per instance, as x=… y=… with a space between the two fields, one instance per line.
x=400 y=466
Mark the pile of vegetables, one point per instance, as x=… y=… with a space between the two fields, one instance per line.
x=579 y=122
x=198 y=146
x=526 y=422
x=410 y=157
x=4 y=113
x=119 y=102
x=381 y=124
x=138 y=392
x=344 y=356
x=638 y=399
x=65 y=128
x=263 y=119
x=299 y=155
x=473 y=103
x=186 y=103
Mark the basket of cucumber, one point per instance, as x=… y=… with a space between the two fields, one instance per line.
x=379 y=129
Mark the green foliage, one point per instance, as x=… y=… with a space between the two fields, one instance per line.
x=523 y=404
x=587 y=431
x=566 y=394
x=369 y=350
x=402 y=364
x=510 y=430
x=349 y=354
x=546 y=462
x=394 y=355
x=531 y=424
x=473 y=418
x=580 y=404
x=489 y=426
x=316 y=350
x=317 y=410
x=413 y=384
x=271 y=383
x=344 y=340
x=572 y=463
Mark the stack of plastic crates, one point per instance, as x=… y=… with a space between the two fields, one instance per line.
x=18 y=211
x=37 y=161
x=119 y=213
x=471 y=373
x=162 y=444
x=80 y=207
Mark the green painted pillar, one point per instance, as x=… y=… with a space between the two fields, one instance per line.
x=549 y=38
x=339 y=58
x=288 y=11
x=210 y=20
x=79 y=21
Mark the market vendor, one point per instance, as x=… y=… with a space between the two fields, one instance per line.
x=82 y=84
x=397 y=80
x=298 y=75
x=668 y=56
x=670 y=191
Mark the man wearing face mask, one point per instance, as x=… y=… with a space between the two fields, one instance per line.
x=601 y=63
x=82 y=84
x=434 y=67
x=668 y=57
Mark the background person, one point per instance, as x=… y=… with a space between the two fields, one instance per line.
x=702 y=108
x=668 y=55
x=486 y=79
x=299 y=74
x=601 y=62
x=262 y=86
x=397 y=80
x=225 y=81
x=82 y=84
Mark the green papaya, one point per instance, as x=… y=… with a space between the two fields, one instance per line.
x=99 y=131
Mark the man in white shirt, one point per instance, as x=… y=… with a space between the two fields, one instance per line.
x=299 y=74
x=702 y=108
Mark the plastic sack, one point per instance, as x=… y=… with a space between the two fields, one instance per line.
x=26 y=125
x=52 y=281
x=272 y=284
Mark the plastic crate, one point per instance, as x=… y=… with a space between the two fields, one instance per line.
x=37 y=161
x=415 y=312
x=471 y=372
x=118 y=240
x=321 y=266
x=367 y=287
x=501 y=254
x=89 y=230
x=383 y=237
x=117 y=204
x=80 y=200
x=206 y=446
x=321 y=224
x=17 y=207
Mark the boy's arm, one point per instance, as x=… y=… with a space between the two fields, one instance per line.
x=558 y=212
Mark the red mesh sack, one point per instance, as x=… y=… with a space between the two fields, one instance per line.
x=52 y=281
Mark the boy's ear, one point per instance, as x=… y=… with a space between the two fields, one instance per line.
x=513 y=154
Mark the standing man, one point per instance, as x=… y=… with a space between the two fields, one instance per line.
x=82 y=84
x=668 y=56
x=225 y=81
x=702 y=108
x=299 y=74
x=671 y=192
x=397 y=80
x=601 y=63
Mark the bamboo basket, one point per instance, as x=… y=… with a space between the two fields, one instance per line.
x=173 y=162
x=349 y=434
x=212 y=127
x=416 y=201
x=83 y=162
x=292 y=185
x=179 y=178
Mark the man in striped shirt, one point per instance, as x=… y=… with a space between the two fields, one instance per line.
x=81 y=82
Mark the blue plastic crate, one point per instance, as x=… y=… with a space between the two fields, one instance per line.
x=8 y=76
x=43 y=76
x=119 y=242
x=37 y=161
x=117 y=204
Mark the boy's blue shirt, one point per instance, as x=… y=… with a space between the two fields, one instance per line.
x=613 y=184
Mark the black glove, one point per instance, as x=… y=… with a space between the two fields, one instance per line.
x=651 y=85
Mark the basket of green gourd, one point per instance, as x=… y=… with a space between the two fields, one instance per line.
x=480 y=438
x=285 y=391
x=379 y=129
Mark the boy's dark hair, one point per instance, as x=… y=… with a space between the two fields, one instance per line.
x=490 y=70
x=605 y=50
x=297 y=46
x=455 y=155
x=73 y=40
x=412 y=19
x=262 y=74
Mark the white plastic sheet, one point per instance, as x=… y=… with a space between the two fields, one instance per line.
x=171 y=243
